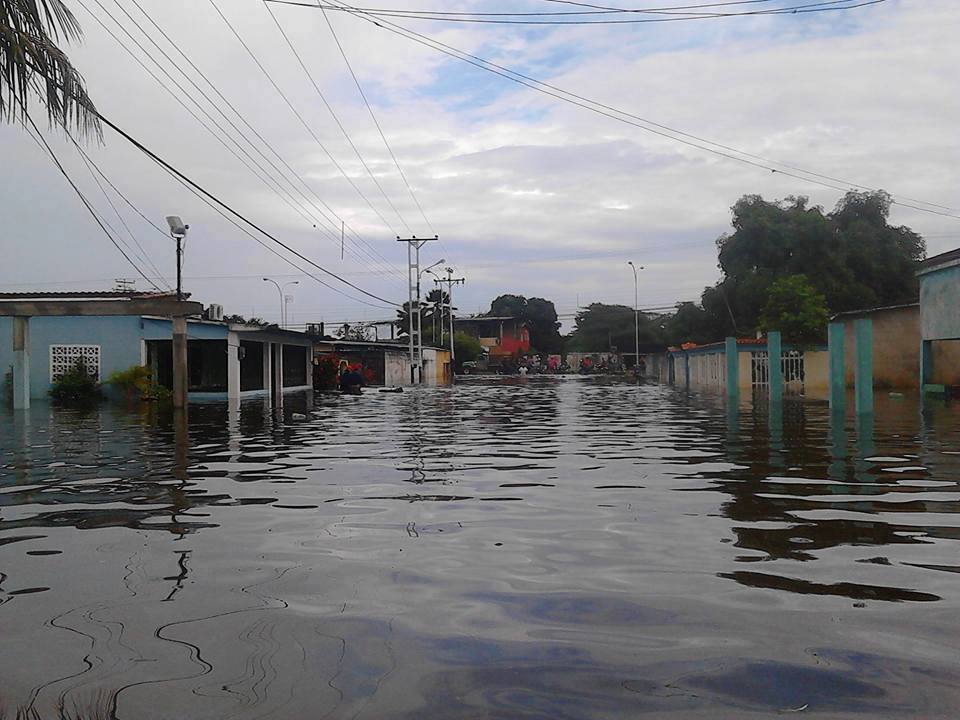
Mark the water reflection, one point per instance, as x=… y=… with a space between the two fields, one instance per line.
x=551 y=547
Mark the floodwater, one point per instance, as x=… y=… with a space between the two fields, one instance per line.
x=552 y=548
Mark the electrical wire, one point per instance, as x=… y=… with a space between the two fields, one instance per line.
x=625 y=117
x=373 y=117
x=336 y=118
x=663 y=15
x=299 y=116
x=170 y=168
x=86 y=203
x=256 y=168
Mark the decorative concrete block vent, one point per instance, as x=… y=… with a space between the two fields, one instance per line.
x=64 y=358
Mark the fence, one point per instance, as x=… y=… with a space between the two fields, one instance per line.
x=791 y=364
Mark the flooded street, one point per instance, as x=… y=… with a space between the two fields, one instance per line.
x=551 y=547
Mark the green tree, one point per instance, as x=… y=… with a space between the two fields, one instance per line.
x=797 y=310
x=690 y=323
x=32 y=63
x=852 y=256
x=539 y=314
x=601 y=327
x=434 y=316
x=241 y=320
x=466 y=348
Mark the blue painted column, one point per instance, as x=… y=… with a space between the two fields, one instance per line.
x=926 y=364
x=21 y=363
x=838 y=391
x=863 y=331
x=774 y=359
x=733 y=367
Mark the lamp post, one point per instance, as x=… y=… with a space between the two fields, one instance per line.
x=420 y=314
x=636 y=318
x=178 y=231
x=283 y=301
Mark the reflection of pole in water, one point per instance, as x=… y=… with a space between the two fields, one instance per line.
x=865 y=447
x=180 y=578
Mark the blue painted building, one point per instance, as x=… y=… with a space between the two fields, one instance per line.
x=939 y=314
x=224 y=360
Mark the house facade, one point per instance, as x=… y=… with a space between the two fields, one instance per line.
x=503 y=337
x=224 y=361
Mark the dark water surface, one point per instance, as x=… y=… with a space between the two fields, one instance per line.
x=542 y=548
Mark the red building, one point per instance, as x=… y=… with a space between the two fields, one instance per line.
x=503 y=337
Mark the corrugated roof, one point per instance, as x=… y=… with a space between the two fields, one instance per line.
x=940 y=259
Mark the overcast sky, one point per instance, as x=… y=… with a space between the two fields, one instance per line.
x=528 y=194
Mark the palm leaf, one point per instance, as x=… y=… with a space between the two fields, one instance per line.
x=31 y=62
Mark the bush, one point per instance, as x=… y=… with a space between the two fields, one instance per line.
x=76 y=386
x=137 y=383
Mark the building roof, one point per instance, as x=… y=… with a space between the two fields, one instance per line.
x=86 y=295
x=868 y=311
x=951 y=257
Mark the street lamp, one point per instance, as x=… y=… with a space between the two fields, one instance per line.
x=178 y=231
x=283 y=302
x=636 y=318
x=419 y=310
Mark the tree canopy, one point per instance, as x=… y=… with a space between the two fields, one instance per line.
x=601 y=327
x=851 y=256
x=797 y=310
x=434 y=318
x=540 y=316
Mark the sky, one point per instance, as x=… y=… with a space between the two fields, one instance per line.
x=528 y=194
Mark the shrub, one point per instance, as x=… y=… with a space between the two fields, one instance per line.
x=137 y=383
x=76 y=386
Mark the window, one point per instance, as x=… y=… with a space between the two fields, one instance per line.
x=64 y=358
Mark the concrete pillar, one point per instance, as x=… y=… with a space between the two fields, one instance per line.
x=863 y=332
x=180 y=371
x=838 y=383
x=21 y=363
x=686 y=370
x=733 y=367
x=926 y=364
x=277 y=394
x=775 y=363
x=233 y=366
x=267 y=366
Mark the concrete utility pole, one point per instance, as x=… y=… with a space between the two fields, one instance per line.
x=450 y=282
x=636 y=316
x=413 y=283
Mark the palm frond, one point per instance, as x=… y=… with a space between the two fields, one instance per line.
x=31 y=61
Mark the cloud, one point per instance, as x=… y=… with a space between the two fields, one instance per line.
x=528 y=195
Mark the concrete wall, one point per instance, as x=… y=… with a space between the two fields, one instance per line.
x=896 y=347
x=816 y=370
x=396 y=369
x=939 y=303
x=119 y=338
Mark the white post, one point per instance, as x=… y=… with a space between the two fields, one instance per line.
x=233 y=365
x=21 y=363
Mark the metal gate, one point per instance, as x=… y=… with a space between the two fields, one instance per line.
x=791 y=365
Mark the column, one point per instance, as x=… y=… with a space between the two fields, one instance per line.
x=180 y=376
x=775 y=362
x=733 y=368
x=233 y=366
x=21 y=363
x=863 y=332
x=926 y=364
x=278 y=376
x=267 y=365
x=835 y=342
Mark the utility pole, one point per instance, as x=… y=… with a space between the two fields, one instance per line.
x=636 y=319
x=413 y=283
x=450 y=281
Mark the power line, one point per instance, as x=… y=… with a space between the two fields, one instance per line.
x=316 y=87
x=623 y=116
x=663 y=15
x=299 y=116
x=263 y=175
x=86 y=203
x=373 y=117
x=170 y=168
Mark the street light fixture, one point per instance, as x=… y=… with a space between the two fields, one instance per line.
x=636 y=318
x=178 y=231
x=283 y=302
